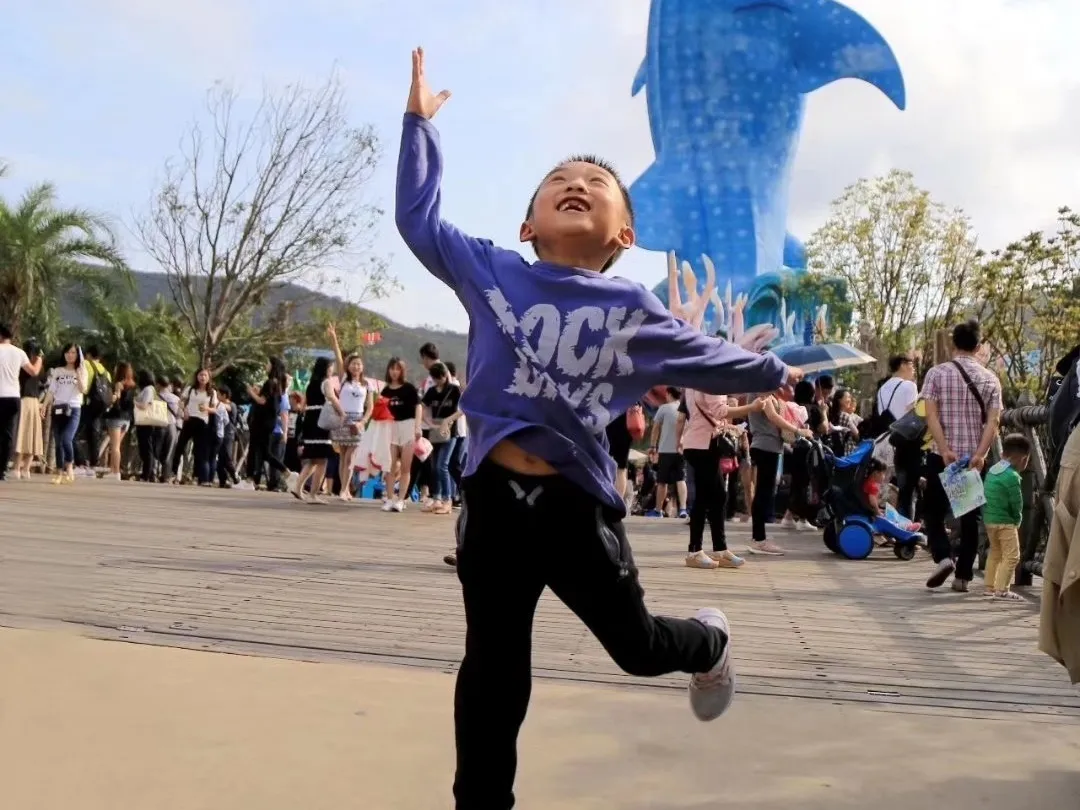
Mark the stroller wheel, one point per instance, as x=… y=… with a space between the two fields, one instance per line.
x=856 y=541
x=830 y=536
x=904 y=551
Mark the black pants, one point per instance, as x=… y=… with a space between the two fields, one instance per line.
x=935 y=511
x=799 y=499
x=226 y=469
x=587 y=563
x=149 y=440
x=761 y=511
x=9 y=420
x=266 y=448
x=908 y=465
x=197 y=433
x=457 y=463
x=711 y=501
x=90 y=426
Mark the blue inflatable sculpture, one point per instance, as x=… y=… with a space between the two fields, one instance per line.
x=726 y=82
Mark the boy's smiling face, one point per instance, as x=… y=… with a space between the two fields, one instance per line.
x=581 y=212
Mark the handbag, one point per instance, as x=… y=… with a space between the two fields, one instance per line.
x=330 y=419
x=154 y=415
x=908 y=431
x=721 y=442
x=635 y=422
x=440 y=431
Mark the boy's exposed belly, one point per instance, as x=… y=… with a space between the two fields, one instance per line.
x=509 y=455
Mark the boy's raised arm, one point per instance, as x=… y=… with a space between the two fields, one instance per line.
x=669 y=351
x=439 y=246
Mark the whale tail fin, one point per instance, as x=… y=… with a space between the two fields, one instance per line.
x=657 y=209
x=640 y=78
x=837 y=43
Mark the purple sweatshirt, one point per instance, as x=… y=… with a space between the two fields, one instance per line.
x=555 y=353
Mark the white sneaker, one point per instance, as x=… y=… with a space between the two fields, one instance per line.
x=388 y=506
x=399 y=506
x=699 y=559
x=712 y=692
x=788 y=523
x=941 y=573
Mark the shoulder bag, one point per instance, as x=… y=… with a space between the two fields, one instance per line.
x=154 y=415
x=721 y=442
x=971 y=387
x=440 y=432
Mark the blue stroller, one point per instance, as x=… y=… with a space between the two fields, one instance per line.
x=849 y=522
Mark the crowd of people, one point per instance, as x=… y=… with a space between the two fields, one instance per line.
x=714 y=459
x=710 y=459
x=325 y=441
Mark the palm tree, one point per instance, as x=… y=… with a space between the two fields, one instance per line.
x=152 y=339
x=47 y=253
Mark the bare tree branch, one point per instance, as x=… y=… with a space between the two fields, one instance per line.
x=259 y=199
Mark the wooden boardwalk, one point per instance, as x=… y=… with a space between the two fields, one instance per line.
x=262 y=574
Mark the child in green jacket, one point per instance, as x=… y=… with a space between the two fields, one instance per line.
x=1002 y=515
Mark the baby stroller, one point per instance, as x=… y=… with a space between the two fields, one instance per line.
x=850 y=524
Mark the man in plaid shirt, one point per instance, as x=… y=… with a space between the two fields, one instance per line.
x=963 y=409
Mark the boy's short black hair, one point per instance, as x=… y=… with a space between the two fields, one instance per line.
x=224 y=392
x=451 y=367
x=5 y=332
x=430 y=351
x=967 y=336
x=674 y=393
x=1016 y=444
x=826 y=382
x=600 y=163
x=898 y=360
x=875 y=466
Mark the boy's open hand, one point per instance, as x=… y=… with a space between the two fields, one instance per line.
x=422 y=101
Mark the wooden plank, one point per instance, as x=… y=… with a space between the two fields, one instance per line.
x=262 y=574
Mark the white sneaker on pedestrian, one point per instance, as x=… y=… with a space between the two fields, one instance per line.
x=941 y=574
x=788 y=523
x=711 y=692
x=388 y=506
x=399 y=506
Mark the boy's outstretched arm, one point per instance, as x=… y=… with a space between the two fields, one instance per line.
x=669 y=351
x=439 y=246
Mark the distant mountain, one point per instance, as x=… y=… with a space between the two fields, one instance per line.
x=397 y=340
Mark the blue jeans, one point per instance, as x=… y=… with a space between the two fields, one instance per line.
x=64 y=430
x=443 y=489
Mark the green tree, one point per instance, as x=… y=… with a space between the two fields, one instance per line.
x=48 y=252
x=1027 y=297
x=907 y=260
x=153 y=339
x=256 y=201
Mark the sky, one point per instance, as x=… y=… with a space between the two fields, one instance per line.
x=97 y=94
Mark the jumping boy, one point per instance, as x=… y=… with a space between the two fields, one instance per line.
x=556 y=350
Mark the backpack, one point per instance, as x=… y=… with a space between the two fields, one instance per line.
x=101 y=390
x=879 y=422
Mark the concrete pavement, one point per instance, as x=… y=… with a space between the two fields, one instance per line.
x=97 y=725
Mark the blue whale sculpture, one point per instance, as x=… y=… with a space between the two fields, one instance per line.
x=726 y=82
